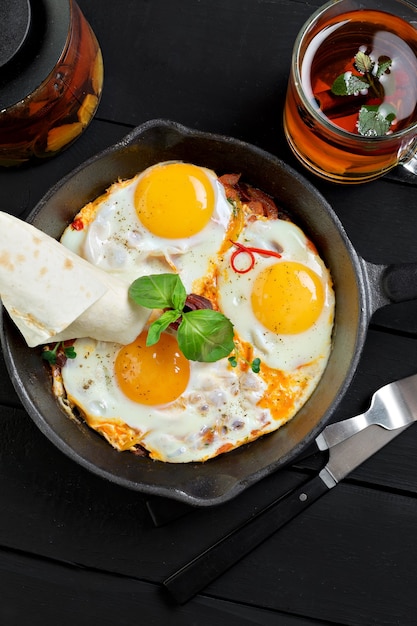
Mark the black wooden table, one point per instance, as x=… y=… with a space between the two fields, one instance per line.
x=76 y=550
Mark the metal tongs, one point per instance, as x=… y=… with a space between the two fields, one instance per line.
x=392 y=406
x=350 y=442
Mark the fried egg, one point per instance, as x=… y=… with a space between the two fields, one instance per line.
x=264 y=274
x=283 y=307
x=172 y=217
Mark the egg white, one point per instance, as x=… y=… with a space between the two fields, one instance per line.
x=117 y=242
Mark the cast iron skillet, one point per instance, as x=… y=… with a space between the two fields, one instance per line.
x=360 y=289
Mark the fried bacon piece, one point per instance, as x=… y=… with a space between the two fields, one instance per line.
x=230 y=183
x=194 y=301
x=258 y=201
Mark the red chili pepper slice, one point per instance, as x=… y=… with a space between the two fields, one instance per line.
x=250 y=266
x=240 y=248
x=77 y=224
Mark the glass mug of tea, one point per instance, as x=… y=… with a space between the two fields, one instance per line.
x=351 y=107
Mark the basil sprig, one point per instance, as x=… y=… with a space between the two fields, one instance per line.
x=203 y=334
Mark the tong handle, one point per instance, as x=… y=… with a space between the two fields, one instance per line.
x=210 y=564
x=392 y=406
x=339 y=431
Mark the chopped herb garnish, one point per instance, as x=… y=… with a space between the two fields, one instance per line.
x=51 y=355
x=255 y=365
x=203 y=334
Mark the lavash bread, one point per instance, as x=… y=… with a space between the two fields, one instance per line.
x=52 y=294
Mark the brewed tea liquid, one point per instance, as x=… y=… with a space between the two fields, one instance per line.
x=334 y=149
x=331 y=53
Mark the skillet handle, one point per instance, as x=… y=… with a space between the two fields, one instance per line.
x=399 y=282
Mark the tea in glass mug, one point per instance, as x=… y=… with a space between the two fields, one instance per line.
x=351 y=108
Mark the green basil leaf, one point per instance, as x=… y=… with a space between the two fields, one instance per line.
x=205 y=335
x=372 y=122
x=161 y=324
x=179 y=294
x=158 y=291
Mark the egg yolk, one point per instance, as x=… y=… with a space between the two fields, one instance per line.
x=287 y=298
x=175 y=200
x=152 y=375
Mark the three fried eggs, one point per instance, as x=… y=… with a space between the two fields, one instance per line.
x=175 y=217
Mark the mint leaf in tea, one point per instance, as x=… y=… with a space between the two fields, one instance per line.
x=372 y=121
x=348 y=84
x=361 y=72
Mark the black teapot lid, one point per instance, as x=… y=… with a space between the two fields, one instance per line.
x=33 y=35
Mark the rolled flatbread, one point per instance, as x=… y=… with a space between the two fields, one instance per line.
x=52 y=294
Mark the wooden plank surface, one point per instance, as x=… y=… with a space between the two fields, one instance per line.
x=68 y=595
x=80 y=548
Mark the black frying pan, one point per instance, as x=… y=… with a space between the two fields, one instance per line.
x=360 y=289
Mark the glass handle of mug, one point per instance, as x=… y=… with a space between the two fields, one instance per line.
x=411 y=164
x=406 y=170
